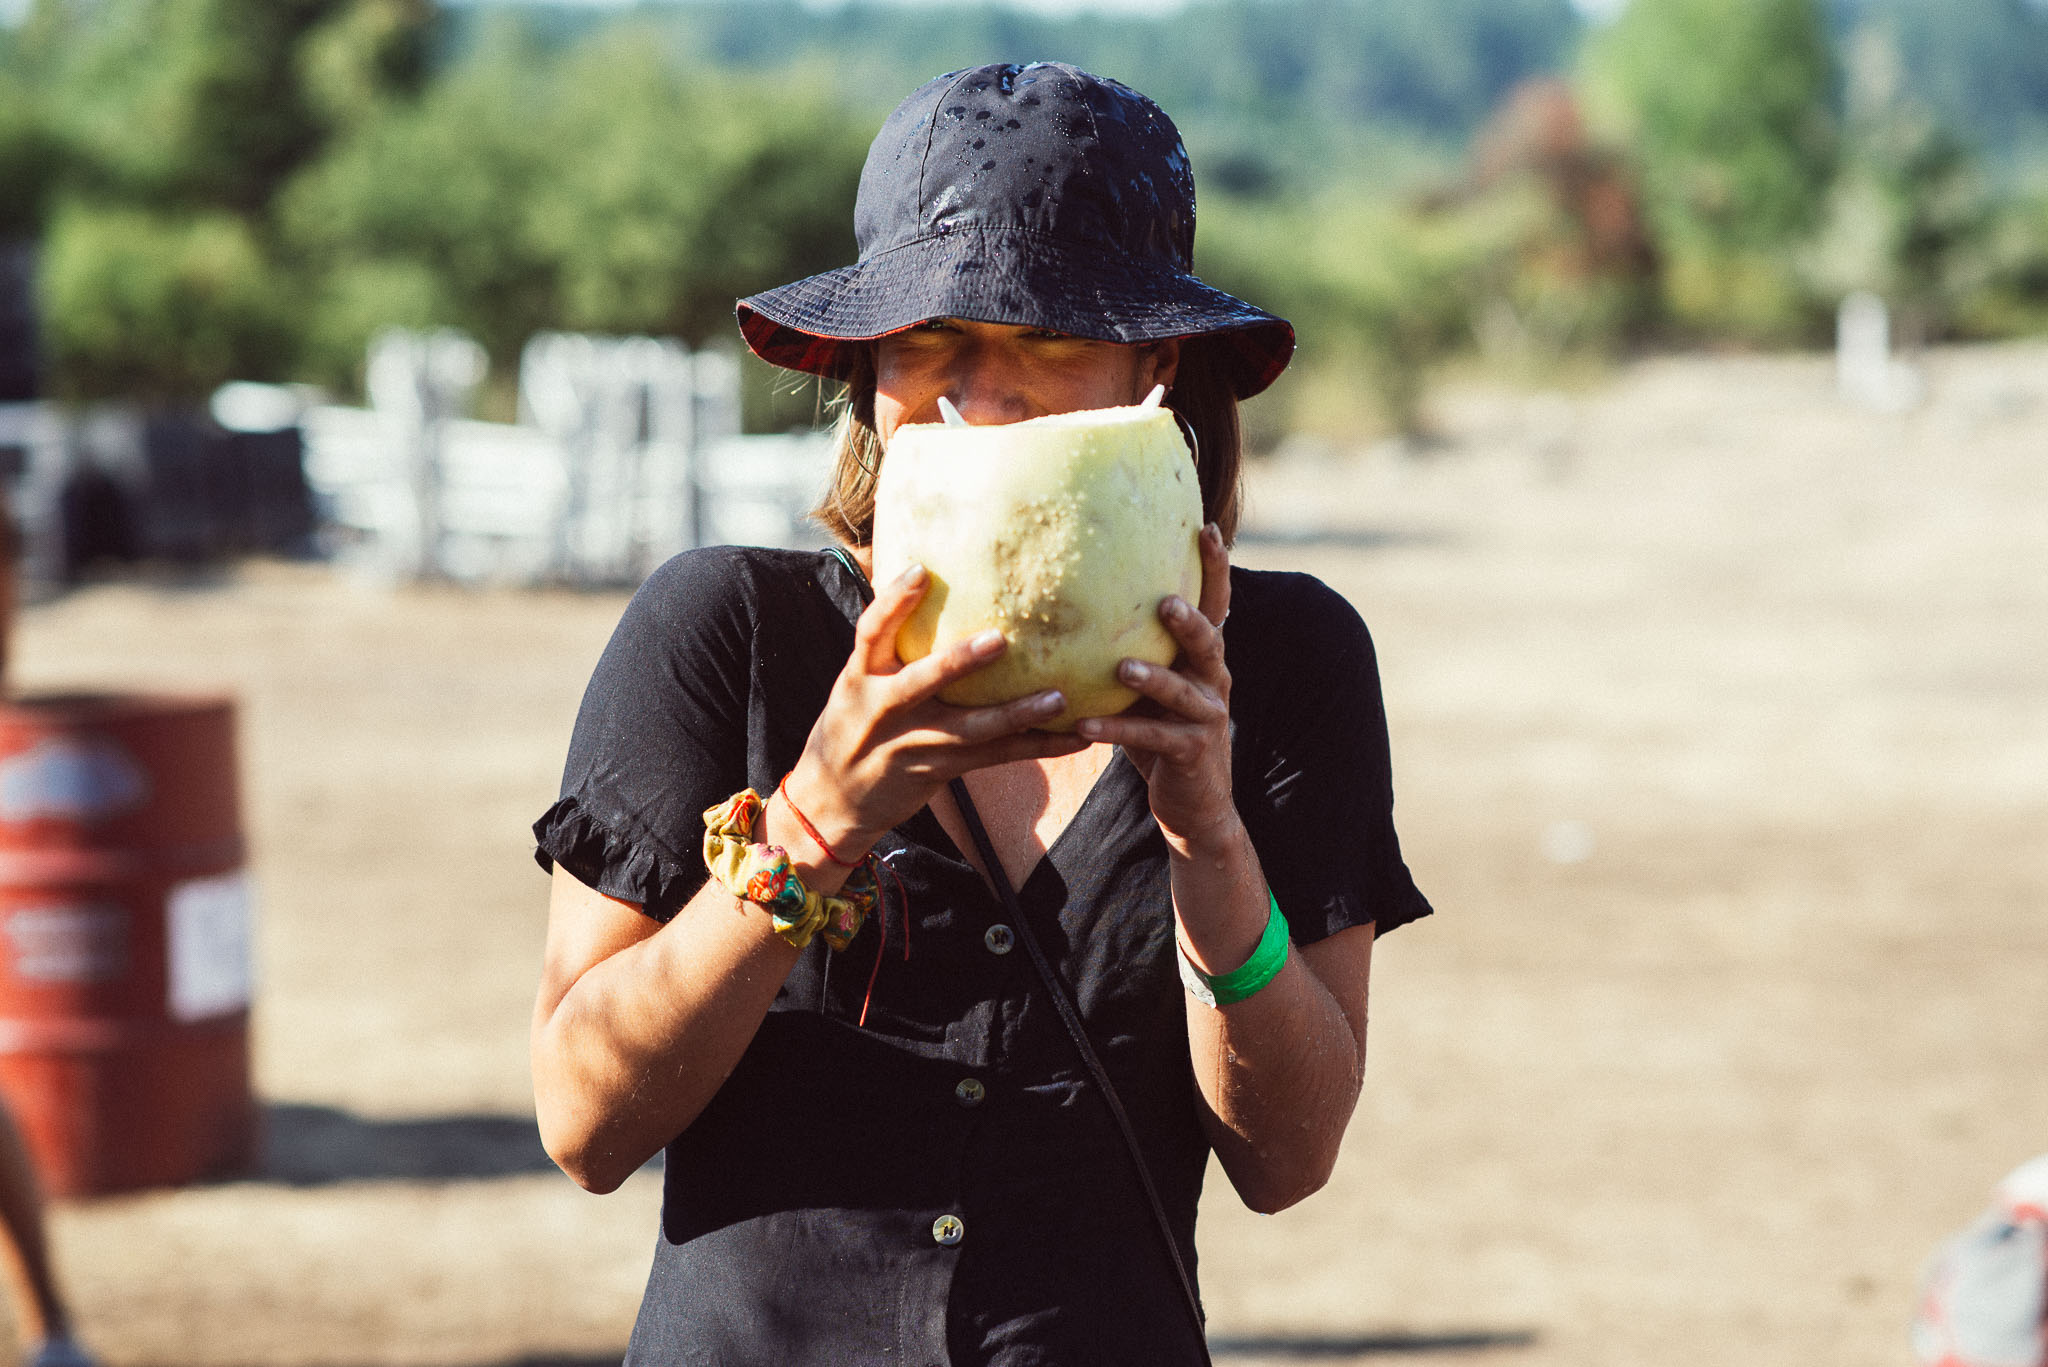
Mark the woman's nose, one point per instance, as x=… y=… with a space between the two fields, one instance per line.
x=983 y=386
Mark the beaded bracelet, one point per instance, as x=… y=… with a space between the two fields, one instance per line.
x=762 y=874
x=1225 y=989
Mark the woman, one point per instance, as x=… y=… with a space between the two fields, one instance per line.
x=894 y=1151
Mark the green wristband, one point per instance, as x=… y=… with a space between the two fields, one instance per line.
x=1224 y=989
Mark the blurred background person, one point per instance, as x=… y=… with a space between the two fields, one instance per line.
x=41 y=1316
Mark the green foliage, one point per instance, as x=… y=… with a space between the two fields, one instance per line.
x=1379 y=297
x=1725 y=106
x=2006 y=292
x=363 y=55
x=168 y=127
x=428 y=206
x=32 y=159
x=254 y=187
x=1909 y=214
x=182 y=101
x=160 y=307
x=768 y=197
x=605 y=190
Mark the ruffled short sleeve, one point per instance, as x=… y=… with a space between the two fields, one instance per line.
x=710 y=684
x=660 y=736
x=1313 y=776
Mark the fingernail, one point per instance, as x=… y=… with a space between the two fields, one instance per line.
x=1176 y=606
x=987 y=641
x=1049 y=702
x=1135 y=671
x=911 y=575
x=1089 y=728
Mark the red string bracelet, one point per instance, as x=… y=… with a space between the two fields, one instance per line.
x=810 y=830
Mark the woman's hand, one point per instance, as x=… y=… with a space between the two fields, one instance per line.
x=885 y=742
x=1181 y=743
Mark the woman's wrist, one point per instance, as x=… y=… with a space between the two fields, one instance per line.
x=779 y=825
x=1263 y=965
x=822 y=828
x=741 y=855
x=1219 y=900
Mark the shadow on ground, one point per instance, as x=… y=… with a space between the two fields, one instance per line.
x=310 y=1146
x=1310 y=1347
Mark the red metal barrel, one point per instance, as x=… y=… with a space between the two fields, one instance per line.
x=124 y=940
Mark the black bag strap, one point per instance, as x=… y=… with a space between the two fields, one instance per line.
x=1071 y=1018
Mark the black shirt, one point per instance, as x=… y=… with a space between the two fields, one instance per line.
x=804 y=1210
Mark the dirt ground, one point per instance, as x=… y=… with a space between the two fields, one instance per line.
x=1721 y=747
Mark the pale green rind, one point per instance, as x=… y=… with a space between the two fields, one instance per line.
x=1063 y=532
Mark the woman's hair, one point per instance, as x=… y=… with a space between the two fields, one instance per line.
x=1201 y=394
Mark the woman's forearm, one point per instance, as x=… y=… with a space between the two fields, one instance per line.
x=639 y=1044
x=628 y=1050
x=1280 y=1071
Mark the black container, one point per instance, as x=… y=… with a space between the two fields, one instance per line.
x=20 y=369
x=210 y=493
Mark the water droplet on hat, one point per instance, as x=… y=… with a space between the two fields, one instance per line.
x=988 y=166
x=980 y=143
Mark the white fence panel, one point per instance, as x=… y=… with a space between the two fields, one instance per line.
x=627 y=450
x=759 y=491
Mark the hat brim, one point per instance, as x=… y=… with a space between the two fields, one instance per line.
x=1007 y=275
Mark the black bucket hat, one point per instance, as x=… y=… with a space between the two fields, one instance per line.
x=1034 y=195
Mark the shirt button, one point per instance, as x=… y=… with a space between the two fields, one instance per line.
x=968 y=1091
x=999 y=939
x=948 y=1230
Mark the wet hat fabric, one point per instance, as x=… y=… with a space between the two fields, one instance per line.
x=1034 y=195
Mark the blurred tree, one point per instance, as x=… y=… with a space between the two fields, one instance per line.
x=192 y=102
x=605 y=189
x=32 y=158
x=645 y=245
x=366 y=54
x=157 y=307
x=172 y=125
x=1379 y=297
x=2006 y=291
x=1567 y=264
x=422 y=213
x=1909 y=216
x=1726 y=107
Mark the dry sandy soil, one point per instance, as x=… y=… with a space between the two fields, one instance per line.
x=1720 y=738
